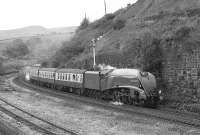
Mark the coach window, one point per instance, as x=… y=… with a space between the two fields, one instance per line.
x=60 y=76
x=81 y=78
x=66 y=77
x=69 y=77
x=57 y=76
x=74 y=77
x=63 y=76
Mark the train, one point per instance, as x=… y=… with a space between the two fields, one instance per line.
x=128 y=86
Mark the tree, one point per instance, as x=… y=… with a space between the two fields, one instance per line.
x=1 y=66
x=18 y=48
x=84 y=24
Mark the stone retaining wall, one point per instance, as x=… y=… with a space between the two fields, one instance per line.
x=183 y=76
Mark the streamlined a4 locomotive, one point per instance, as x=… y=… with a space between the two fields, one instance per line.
x=130 y=86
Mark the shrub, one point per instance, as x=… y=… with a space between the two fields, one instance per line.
x=183 y=32
x=118 y=24
x=1 y=67
x=84 y=24
x=109 y=16
x=18 y=49
x=152 y=60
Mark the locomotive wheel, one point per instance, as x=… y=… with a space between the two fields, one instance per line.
x=122 y=96
x=130 y=100
x=116 y=96
x=151 y=102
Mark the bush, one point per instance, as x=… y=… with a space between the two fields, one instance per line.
x=153 y=60
x=118 y=24
x=18 y=49
x=1 y=67
x=109 y=16
x=183 y=32
x=84 y=24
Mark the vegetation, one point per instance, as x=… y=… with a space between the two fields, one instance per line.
x=109 y=16
x=18 y=49
x=1 y=67
x=118 y=24
x=137 y=37
x=84 y=24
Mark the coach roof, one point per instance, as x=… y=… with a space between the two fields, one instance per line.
x=48 y=69
x=64 y=70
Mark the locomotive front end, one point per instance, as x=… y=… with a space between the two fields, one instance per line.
x=133 y=86
x=148 y=82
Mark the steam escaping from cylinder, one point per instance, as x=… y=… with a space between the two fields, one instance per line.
x=105 y=67
x=27 y=77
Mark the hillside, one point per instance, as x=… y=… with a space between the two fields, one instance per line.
x=30 y=45
x=33 y=31
x=144 y=8
x=159 y=36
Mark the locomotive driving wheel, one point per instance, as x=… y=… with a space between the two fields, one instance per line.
x=122 y=95
x=116 y=96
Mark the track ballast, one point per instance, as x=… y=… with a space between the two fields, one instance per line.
x=32 y=120
x=159 y=113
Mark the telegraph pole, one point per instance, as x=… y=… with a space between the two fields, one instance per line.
x=105 y=6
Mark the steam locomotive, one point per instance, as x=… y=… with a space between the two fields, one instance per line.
x=128 y=86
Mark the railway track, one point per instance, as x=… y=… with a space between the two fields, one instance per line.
x=163 y=114
x=35 y=122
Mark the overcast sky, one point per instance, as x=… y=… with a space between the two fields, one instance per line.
x=53 y=13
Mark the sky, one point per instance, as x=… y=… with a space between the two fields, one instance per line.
x=53 y=13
